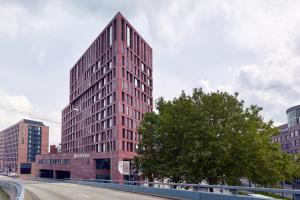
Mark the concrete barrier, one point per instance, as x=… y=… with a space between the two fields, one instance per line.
x=14 y=189
x=169 y=193
x=180 y=193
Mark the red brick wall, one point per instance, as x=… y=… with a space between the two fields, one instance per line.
x=45 y=140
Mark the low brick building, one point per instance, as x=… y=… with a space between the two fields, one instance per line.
x=19 y=145
x=1 y=152
x=53 y=149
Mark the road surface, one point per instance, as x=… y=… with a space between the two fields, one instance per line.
x=36 y=190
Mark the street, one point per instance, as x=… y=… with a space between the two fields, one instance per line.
x=42 y=190
x=38 y=190
x=62 y=191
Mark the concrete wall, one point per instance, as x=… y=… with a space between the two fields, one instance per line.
x=169 y=193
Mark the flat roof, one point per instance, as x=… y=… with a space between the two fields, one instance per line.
x=27 y=121
x=293 y=108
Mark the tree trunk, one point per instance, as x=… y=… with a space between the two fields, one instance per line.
x=150 y=179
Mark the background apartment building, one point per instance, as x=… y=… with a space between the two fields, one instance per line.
x=1 y=152
x=19 y=145
x=110 y=89
x=289 y=137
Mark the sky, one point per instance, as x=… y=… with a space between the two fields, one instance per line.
x=247 y=46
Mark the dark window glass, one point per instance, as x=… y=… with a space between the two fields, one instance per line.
x=34 y=142
x=25 y=168
x=103 y=163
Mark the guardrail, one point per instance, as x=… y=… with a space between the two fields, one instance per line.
x=182 y=191
x=14 y=188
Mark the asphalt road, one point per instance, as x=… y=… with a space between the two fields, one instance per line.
x=36 y=190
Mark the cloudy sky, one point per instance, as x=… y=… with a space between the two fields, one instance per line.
x=248 y=46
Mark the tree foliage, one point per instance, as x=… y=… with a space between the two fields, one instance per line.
x=211 y=137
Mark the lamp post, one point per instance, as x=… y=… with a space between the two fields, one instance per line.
x=107 y=136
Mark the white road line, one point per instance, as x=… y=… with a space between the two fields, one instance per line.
x=67 y=190
x=84 y=195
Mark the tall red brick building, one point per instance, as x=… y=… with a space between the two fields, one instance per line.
x=111 y=88
x=20 y=144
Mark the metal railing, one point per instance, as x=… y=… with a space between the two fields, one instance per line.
x=14 y=189
x=179 y=190
x=183 y=190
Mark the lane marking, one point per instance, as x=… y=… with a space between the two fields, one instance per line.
x=67 y=190
x=86 y=196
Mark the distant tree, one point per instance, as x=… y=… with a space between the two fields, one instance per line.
x=210 y=137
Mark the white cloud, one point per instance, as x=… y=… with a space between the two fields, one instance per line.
x=12 y=108
x=270 y=29
x=18 y=103
x=208 y=86
x=265 y=27
x=8 y=21
x=53 y=120
x=16 y=20
x=41 y=55
x=251 y=47
x=272 y=85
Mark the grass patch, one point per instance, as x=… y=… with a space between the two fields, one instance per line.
x=276 y=196
x=242 y=193
x=3 y=195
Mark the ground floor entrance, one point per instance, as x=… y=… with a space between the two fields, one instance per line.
x=57 y=174
x=62 y=174
x=46 y=173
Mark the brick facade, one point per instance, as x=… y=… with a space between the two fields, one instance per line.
x=21 y=143
x=289 y=137
x=110 y=89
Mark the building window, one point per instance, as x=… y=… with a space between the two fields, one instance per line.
x=34 y=142
x=122 y=29
x=109 y=65
x=103 y=163
x=110 y=35
x=135 y=82
x=25 y=168
x=128 y=31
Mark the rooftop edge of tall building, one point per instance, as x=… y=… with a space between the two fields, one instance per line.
x=283 y=126
x=293 y=108
x=116 y=15
x=33 y=122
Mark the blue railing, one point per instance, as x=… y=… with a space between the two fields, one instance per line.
x=184 y=191
x=14 y=188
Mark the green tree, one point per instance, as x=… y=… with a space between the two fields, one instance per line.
x=150 y=162
x=210 y=137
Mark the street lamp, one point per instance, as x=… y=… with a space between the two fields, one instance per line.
x=107 y=136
